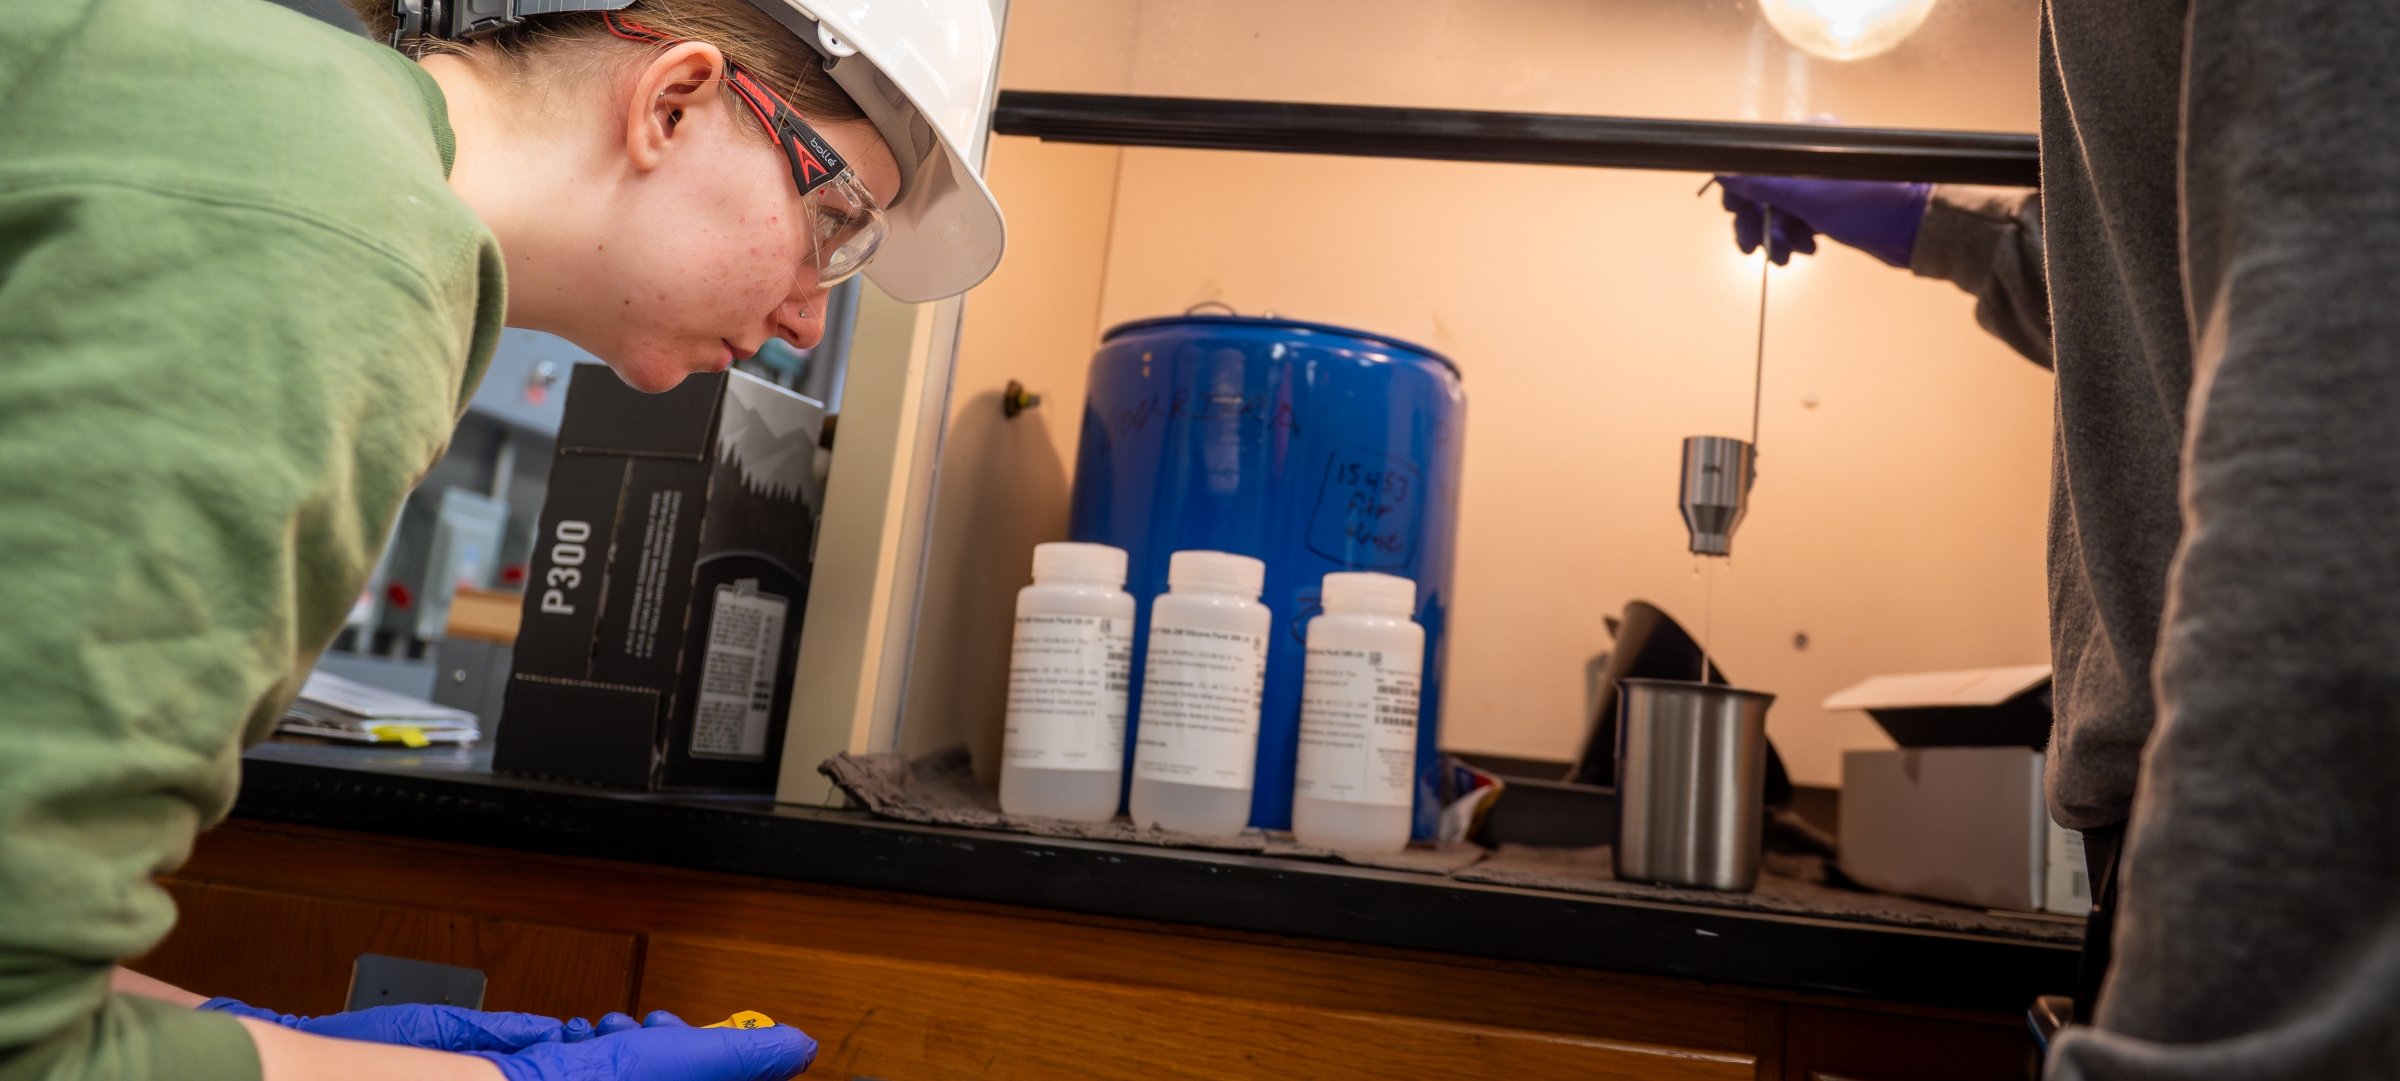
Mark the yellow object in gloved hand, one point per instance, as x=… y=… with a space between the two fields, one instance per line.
x=663 y=1047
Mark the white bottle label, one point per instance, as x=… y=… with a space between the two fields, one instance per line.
x=1200 y=692
x=737 y=680
x=1358 y=727
x=1066 y=692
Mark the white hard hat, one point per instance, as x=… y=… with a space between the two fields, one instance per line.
x=922 y=71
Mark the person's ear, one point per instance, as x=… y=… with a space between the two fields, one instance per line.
x=668 y=92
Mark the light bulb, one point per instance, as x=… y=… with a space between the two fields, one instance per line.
x=1845 y=29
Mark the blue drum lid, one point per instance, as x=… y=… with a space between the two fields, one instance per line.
x=1352 y=339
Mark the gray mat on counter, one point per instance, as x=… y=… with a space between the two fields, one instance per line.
x=1790 y=885
x=940 y=789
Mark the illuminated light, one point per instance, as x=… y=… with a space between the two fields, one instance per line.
x=1845 y=29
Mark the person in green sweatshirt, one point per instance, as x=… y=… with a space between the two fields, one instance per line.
x=251 y=269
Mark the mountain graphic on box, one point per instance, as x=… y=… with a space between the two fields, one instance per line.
x=766 y=461
x=777 y=520
x=772 y=432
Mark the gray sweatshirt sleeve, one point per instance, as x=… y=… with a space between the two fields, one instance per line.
x=1988 y=241
x=2260 y=929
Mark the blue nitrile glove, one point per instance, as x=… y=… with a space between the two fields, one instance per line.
x=1878 y=217
x=439 y=1028
x=666 y=1049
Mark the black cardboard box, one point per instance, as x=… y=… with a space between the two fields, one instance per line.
x=664 y=600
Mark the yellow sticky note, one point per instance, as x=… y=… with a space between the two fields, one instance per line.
x=409 y=735
x=745 y=1019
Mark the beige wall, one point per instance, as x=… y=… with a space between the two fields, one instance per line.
x=1599 y=317
x=1003 y=484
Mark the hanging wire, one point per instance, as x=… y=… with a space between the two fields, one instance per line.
x=1766 y=264
x=1758 y=371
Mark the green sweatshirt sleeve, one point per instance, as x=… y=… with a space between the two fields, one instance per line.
x=123 y=1036
x=211 y=407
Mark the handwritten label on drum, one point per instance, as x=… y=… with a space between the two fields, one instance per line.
x=1367 y=511
x=1274 y=411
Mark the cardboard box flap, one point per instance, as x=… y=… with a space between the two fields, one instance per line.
x=1981 y=707
x=1925 y=690
x=604 y=416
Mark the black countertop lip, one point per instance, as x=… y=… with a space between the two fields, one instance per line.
x=452 y=796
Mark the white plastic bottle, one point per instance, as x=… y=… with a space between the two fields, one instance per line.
x=1065 y=747
x=1197 y=740
x=1356 y=776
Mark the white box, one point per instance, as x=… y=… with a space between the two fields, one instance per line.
x=2070 y=885
x=1960 y=824
x=1957 y=813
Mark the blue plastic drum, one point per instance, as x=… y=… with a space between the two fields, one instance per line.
x=1311 y=447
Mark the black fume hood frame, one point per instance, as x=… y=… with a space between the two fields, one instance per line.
x=1699 y=146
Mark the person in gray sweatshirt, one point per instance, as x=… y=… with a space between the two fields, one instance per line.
x=2212 y=269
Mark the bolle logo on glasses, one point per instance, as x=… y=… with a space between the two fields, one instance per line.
x=818 y=162
x=813 y=172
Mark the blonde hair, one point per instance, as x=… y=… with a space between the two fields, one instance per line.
x=547 y=50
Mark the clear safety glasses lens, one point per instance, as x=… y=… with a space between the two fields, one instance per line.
x=847 y=228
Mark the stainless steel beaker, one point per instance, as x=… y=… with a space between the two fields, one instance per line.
x=1691 y=781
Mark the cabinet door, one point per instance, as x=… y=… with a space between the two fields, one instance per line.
x=293 y=953
x=916 y=1020
x=1856 y=1045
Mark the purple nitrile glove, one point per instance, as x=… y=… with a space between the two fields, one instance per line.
x=1878 y=217
x=439 y=1028
x=666 y=1049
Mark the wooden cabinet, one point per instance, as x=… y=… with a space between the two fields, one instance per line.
x=882 y=1017
x=908 y=988
x=292 y=952
x=1857 y=1045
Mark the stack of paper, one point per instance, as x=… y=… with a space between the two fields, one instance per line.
x=331 y=707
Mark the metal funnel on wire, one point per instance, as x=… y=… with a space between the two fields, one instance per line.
x=1718 y=470
x=1717 y=473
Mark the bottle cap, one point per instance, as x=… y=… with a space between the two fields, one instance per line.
x=1216 y=572
x=1087 y=562
x=1359 y=591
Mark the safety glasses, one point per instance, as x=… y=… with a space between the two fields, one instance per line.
x=845 y=225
